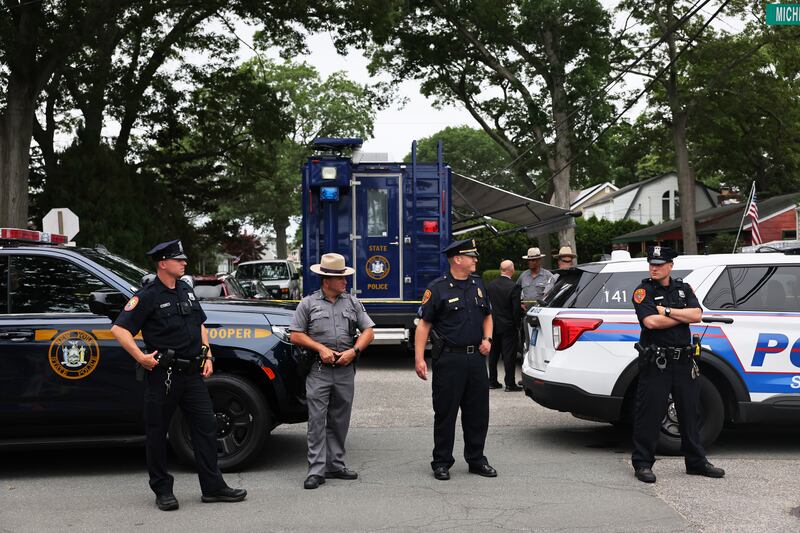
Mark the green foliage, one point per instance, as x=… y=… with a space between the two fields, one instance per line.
x=722 y=243
x=124 y=210
x=594 y=236
x=492 y=274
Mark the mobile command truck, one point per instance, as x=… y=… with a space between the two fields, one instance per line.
x=389 y=220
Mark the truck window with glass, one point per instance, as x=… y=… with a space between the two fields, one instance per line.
x=38 y=284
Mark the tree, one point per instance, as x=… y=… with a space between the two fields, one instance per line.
x=523 y=69
x=473 y=153
x=313 y=108
x=109 y=57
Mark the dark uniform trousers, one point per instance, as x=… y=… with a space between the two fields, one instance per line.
x=460 y=380
x=504 y=346
x=651 y=398
x=190 y=393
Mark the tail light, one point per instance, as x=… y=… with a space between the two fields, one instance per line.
x=567 y=330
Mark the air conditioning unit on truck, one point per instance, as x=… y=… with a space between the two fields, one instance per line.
x=391 y=220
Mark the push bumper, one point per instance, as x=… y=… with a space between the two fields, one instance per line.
x=572 y=399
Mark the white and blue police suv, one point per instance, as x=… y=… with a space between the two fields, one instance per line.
x=581 y=357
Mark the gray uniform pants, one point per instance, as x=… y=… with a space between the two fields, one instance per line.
x=329 y=392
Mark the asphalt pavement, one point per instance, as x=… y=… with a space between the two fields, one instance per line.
x=556 y=473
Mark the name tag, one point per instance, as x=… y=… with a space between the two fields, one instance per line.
x=451 y=300
x=162 y=306
x=658 y=298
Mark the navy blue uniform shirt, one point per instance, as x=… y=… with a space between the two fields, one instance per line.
x=456 y=308
x=155 y=311
x=676 y=295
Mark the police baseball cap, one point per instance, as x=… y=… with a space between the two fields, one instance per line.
x=167 y=250
x=658 y=255
x=465 y=247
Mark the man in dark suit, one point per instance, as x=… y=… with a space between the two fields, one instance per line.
x=504 y=295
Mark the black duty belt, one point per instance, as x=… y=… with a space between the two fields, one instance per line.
x=472 y=348
x=674 y=354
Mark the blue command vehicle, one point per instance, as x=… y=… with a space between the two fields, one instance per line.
x=389 y=220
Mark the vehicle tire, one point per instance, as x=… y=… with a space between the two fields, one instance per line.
x=712 y=418
x=243 y=423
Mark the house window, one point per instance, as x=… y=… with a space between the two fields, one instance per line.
x=788 y=234
x=670 y=205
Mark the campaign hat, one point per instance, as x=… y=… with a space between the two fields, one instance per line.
x=332 y=265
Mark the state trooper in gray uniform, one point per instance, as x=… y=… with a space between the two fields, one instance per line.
x=325 y=322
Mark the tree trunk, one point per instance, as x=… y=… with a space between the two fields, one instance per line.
x=686 y=187
x=16 y=132
x=563 y=135
x=280 y=237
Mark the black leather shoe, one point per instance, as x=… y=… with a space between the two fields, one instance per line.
x=707 y=470
x=519 y=383
x=483 y=470
x=513 y=388
x=645 y=475
x=344 y=473
x=495 y=385
x=226 y=494
x=313 y=481
x=442 y=473
x=167 y=502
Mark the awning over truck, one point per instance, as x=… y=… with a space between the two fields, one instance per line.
x=473 y=200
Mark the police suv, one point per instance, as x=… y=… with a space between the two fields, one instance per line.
x=64 y=379
x=581 y=357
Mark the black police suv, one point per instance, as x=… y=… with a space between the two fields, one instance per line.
x=64 y=379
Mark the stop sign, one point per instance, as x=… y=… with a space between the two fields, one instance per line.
x=61 y=220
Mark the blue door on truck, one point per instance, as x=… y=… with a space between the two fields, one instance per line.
x=377 y=248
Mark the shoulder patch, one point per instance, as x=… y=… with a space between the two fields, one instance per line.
x=638 y=295
x=426 y=296
x=132 y=303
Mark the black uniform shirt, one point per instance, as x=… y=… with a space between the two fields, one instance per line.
x=155 y=310
x=676 y=295
x=456 y=308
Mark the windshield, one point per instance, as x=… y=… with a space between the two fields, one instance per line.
x=119 y=266
x=263 y=271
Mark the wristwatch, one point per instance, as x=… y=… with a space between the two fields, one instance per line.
x=487 y=339
x=358 y=352
x=667 y=311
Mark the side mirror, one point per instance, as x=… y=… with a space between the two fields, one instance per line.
x=296 y=275
x=107 y=303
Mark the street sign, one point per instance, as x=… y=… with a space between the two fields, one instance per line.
x=61 y=220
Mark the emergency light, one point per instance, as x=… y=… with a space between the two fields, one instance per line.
x=32 y=236
x=329 y=194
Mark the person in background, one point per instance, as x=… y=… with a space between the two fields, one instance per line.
x=504 y=295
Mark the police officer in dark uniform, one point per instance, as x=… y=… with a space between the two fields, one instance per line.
x=665 y=308
x=455 y=312
x=170 y=318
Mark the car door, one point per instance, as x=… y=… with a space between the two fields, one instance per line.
x=60 y=367
x=762 y=344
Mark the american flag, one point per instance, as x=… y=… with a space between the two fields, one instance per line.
x=752 y=213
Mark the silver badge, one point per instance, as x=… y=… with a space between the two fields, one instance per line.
x=681 y=293
x=656 y=251
x=191 y=296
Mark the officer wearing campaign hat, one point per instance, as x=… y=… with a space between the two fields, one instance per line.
x=325 y=322
x=665 y=307
x=177 y=358
x=456 y=314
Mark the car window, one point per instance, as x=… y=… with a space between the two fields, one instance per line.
x=614 y=292
x=38 y=284
x=3 y=285
x=756 y=288
x=208 y=291
x=274 y=271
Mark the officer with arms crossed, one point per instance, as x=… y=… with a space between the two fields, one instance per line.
x=171 y=321
x=455 y=312
x=325 y=322
x=665 y=308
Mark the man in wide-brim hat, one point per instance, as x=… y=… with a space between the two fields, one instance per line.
x=536 y=281
x=325 y=322
x=565 y=258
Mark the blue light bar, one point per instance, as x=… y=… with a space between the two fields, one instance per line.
x=329 y=194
